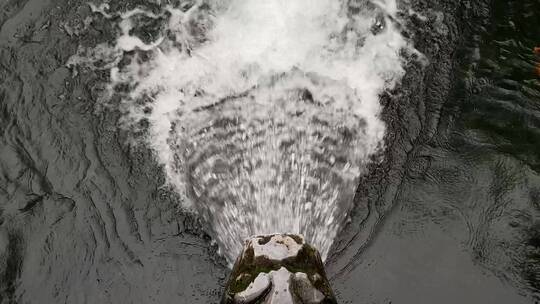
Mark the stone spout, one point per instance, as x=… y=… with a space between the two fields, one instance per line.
x=278 y=269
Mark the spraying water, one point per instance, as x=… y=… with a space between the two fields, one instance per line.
x=263 y=113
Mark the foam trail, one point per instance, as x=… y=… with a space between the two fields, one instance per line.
x=264 y=113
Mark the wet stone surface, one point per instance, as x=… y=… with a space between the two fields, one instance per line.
x=278 y=269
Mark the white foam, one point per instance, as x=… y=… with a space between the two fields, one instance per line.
x=218 y=49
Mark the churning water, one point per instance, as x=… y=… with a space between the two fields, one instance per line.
x=262 y=113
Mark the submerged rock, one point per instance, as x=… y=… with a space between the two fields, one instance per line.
x=278 y=269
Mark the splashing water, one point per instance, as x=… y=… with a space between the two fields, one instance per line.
x=263 y=113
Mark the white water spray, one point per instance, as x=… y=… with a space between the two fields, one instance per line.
x=263 y=113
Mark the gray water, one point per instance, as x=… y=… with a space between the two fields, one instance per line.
x=449 y=214
x=263 y=114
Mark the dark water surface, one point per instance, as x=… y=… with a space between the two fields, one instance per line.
x=450 y=216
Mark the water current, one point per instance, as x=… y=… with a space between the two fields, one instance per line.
x=263 y=114
x=142 y=140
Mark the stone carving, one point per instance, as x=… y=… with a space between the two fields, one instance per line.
x=278 y=269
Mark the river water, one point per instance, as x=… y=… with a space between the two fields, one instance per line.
x=142 y=140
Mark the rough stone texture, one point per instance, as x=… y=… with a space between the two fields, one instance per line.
x=295 y=277
x=304 y=289
x=256 y=290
